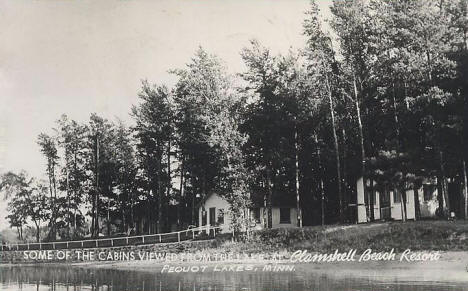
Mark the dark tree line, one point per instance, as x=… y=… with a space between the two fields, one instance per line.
x=382 y=95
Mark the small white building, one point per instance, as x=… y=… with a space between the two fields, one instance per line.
x=388 y=204
x=214 y=211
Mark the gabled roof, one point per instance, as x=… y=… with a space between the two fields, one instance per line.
x=199 y=204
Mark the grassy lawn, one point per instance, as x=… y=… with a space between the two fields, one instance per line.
x=420 y=235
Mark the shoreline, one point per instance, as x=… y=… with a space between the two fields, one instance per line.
x=451 y=267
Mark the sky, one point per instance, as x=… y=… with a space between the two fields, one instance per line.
x=76 y=57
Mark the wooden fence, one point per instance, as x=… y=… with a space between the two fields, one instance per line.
x=177 y=236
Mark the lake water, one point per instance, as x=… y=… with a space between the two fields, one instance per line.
x=76 y=279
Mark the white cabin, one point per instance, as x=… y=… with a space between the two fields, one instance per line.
x=388 y=204
x=214 y=211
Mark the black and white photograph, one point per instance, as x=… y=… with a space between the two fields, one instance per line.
x=234 y=145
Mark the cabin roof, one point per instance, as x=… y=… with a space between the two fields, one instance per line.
x=277 y=201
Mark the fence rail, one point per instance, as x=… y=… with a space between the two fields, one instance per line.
x=177 y=236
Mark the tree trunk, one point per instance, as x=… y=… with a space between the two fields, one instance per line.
x=417 y=207
x=398 y=150
x=322 y=192
x=444 y=182
x=68 y=201
x=53 y=196
x=265 y=203
x=20 y=232
x=181 y=191
x=345 y=176
x=74 y=222
x=465 y=186
x=74 y=195
x=54 y=181
x=322 y=202
x=160 y=197
x=403 y=199
x=169 y=183
x=269 y=221
x=124 y=222
x=371 y=201
x=337 y=151
x=132 y=213
x=108 y=217
x=38 y=231
x=192 y=222
x=402 y=204
x=298 y=201
x=361 y=133
x=93 y=224
x=440 y=196
x=96 y=190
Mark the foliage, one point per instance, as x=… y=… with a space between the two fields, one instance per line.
x=379 y=93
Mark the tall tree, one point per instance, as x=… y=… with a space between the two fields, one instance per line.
x=154 y=132
x=48 y=145
x=73 y=176
x=126 y=168
x=27 y=201
x=101 y=167
x=324 y=68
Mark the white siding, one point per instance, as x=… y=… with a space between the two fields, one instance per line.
x=429 y=207
x=361 y=207
x=275 y=217
x=219 y=203
x=377 y=205
x=396 y=210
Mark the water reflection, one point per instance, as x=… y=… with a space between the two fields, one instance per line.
x=77 y=279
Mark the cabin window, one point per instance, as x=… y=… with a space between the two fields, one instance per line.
x=396 y=196
x=221 y=216
x=285 y=215
x=428 y=191
x=256 y=214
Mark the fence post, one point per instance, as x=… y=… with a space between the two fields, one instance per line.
x=178 y=236
x=112 y=242
x=143 y=239
x=96 y=243
x=67 y=245
x=40 y=246
x=28 y=246
x=160 y=240
x=81 y=244
x=53 y=245
x=193 y=234
x=17 y=247
x=126 y=241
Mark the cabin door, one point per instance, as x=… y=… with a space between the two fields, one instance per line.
x=212 y=216
x=385 y=207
